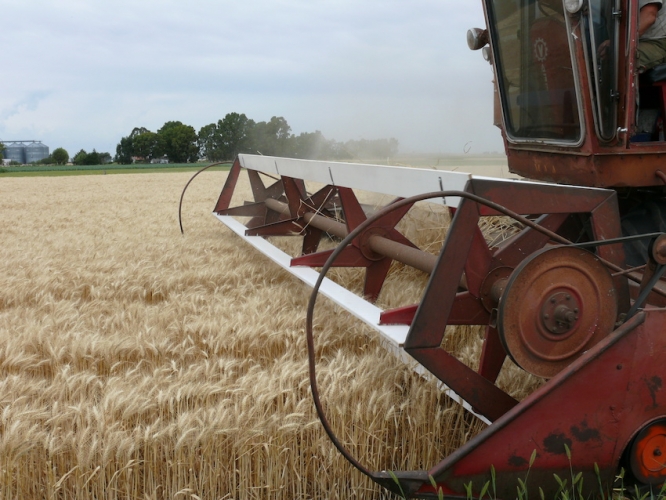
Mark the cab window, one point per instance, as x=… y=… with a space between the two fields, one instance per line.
x=534 y=70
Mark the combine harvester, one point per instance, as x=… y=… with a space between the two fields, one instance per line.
x=574 y=297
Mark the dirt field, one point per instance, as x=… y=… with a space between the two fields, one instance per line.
x=139 y=363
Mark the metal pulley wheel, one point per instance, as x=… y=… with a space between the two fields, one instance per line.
x=647 y=455
x=557 y=303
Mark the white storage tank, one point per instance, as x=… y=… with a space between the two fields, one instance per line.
x=14 y=151
x=35 y=151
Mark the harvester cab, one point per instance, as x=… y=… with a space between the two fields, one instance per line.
x=574 y=295
x=571 y=103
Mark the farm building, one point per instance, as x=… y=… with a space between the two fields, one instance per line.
x=25 y=151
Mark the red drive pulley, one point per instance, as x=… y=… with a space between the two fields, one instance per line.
x=557 y=303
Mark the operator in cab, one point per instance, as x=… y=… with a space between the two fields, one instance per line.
x=652 y=34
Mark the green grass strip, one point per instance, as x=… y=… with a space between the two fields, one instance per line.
x=56 y=171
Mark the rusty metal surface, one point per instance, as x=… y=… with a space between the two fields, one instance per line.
x=440 y=301
x=466 y=311
x=493 y=286
x=485 y=397
x=224 y=199
x=558 y=303
x=601 y=204
x=658 y=250
x=285 y=209
x=429 y=324
x=492 y=355
x=620 y=167
x=580 y=408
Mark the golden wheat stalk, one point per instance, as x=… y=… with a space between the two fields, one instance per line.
x=137 y=363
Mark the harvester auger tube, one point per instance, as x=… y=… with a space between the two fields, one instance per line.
x=559 y=310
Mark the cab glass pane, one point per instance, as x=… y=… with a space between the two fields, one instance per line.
x=534 y=70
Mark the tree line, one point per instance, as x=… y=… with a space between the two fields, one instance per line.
x=175 y=141
x=236 y=133
x=224 y=140
x=60 y=156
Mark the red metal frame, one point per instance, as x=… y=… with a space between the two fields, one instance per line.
x=268 y=222
x=619 y=163
x=580 y=407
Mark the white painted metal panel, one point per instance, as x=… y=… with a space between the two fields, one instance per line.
x=395 y=181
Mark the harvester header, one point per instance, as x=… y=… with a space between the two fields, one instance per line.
x=573 y=295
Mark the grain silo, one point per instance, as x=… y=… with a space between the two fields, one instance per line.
x=14 y=151
x=25 y=151
x=35 y=151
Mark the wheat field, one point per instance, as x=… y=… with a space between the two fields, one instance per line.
x=137 y=363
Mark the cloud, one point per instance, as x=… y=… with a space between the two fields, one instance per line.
x=28 y=102
x=84 y=74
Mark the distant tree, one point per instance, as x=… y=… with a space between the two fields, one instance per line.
x=180 y=142
x=48 y=160
x=235 y=134
x=60 y=156
x=226 y=138
x=105 y=158
x=80 y=158
x=2 y=150
x=271 y=138
x=125 y=148
x=310 y=145
x=125 y=151
x=92 y=158
x=138 y=131
x=85 y=158
x=337 y=151
x=208 y=141
x=148 y=145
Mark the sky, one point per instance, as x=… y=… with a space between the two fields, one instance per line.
x=81 y=74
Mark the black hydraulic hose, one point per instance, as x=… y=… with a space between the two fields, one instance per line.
x=640 y=300
x=180 y=205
